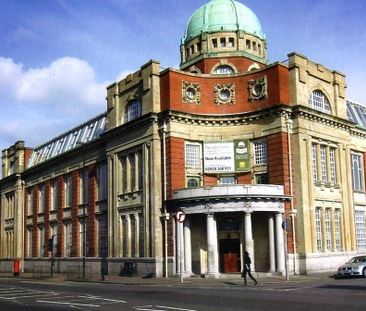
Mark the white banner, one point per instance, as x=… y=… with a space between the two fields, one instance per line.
x=219 y=157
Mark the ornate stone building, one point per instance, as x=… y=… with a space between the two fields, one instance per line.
x=267 y=158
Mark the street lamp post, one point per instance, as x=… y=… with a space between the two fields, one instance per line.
x=82 y=144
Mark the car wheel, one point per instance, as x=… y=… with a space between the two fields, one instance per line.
x=364 y=272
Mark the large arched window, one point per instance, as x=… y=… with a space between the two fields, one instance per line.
x=319 y=101
x=133 y=110
x=223 y=69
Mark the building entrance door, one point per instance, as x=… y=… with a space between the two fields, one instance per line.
x=230 y=255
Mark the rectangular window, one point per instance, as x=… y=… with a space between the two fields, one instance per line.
x=248 y=44
x=198 y=47
x=102 y=181
x=29 y=242
x=254 y=46
x=29 y=201
x=68 y=239
x=133 y=110
x=54 y=235
x=68 y=191
x=261 y=179
x=332 y=165
x=337 y=229
x=124 y=174
x=83 y=177
x=103 y=236
x=41 y=241
x=318 y=229
x=214 y=43
x=314 y=160
x=231 y=42
x=222 y=42
x=193 y=155
x=360 y=224
x=260 y=153
x=323 y=163
x=53 y=189
x=357 y=174
x=140 y=169
x=227 y=180
x=328 y=229
x=41 y=198
x=82 y=235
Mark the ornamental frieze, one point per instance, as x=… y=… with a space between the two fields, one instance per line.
x=257 y=88
x=191 y=93
x=224 y=94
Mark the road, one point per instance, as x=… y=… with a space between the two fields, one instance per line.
x=325 y=294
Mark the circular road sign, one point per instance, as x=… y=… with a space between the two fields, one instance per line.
x=180 y=216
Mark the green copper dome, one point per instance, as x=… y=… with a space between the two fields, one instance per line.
x=223 y=15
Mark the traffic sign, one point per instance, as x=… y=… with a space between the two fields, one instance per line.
x=180 y=216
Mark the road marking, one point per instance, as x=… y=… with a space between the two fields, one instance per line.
x=165 y=308
x=174 y=308
x=69 y=303
x=28 y=296
x=104 y=299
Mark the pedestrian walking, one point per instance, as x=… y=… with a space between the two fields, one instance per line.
x=247 y=270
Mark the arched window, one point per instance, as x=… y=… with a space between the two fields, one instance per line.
x=318 y=101
x=133 y=110
x=224 y=69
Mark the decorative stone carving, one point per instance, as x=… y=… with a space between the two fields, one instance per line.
x=224 y=94
x=257 y=89
x=191 y=93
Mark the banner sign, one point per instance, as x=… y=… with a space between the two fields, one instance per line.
x=242 y=155
x=219 y=157
x=227 y=157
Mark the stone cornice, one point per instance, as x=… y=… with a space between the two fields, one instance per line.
x=319 y=117
x=227 y=119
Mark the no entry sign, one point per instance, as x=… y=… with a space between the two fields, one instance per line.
x=180 y=216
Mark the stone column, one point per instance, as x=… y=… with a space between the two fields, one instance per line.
x=187 y=247
x=128 y=235
x=137 y=236
x=280 y=250
x=271 y=237
x=212 y=247
x=248 y=235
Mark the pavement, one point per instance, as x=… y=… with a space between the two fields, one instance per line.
x=225 y=280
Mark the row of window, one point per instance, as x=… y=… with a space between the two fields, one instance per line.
x=328 y=229
x=324 y=166
x=323 y=163
x=223 y=42
x=39 y=244
x=67 y=191
x=131 y=171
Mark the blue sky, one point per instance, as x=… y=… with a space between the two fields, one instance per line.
x=57 y=56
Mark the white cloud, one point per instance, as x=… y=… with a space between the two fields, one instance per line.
x=40 y=103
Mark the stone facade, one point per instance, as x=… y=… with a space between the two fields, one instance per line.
x=246 y=152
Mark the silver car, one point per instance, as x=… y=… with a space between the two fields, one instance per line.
x=356 y=266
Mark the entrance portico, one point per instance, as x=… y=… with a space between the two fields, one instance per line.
x=224 y=221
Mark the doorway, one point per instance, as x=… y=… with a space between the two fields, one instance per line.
x=229 y=255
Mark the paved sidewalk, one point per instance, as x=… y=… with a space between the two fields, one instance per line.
x=226 y=280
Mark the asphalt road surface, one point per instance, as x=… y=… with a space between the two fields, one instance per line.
x=327 y=294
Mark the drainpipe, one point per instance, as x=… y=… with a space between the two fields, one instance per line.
x=166 y=215
x=292 y=211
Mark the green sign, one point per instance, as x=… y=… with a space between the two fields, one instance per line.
x=242 y=155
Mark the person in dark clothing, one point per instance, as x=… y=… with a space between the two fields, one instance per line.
x=247 y=271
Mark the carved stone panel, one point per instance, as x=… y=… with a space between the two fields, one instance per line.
x=191 y=93
x=224 y=94
x=257 y=89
